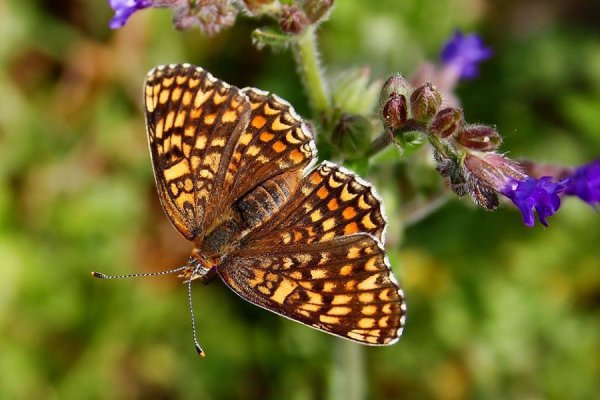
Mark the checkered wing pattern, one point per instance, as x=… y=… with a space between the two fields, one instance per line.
x=275 y=141
x=211 y=143
x=194 y=122
x=320 y=261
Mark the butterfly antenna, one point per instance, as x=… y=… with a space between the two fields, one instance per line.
x=100 y=275
x=198 y=348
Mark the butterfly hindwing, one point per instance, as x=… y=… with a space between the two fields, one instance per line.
x=343 y=287
x=321 y=265
x=330 y=202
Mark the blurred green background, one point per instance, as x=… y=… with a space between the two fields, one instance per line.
x=495 y=310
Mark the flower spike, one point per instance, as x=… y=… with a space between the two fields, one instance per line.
x=539 y=194
x=585 y=183
x=465 y=53
x=124 y=9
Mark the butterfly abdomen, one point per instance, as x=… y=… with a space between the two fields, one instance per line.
x=248 y=213
x=266 y=199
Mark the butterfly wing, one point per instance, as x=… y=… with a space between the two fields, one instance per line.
x=331 y=202
x=211 y=143
x=275 y=141
x=193 y=122
x=321 y=262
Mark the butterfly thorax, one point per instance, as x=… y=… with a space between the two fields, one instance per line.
x=219 y=240
x=251 y=211
x=211 y=248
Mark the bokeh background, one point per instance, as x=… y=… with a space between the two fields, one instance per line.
x=496 y=310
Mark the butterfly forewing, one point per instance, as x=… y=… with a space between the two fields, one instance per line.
x=194 y=122
x=211 y=143
x=320 y=261
x=275 y=141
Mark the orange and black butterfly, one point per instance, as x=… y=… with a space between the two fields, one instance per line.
x=234 y=172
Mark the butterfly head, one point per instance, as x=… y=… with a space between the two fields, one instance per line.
x=199 y=267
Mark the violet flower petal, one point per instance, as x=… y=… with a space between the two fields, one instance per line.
x=124 y=9
x=585 y=183
x=465 y=52
x=531 y=194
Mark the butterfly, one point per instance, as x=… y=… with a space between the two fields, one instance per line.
x=235 y=172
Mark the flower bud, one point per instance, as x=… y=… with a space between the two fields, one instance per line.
x=257 y=6
x=447 y=122
x=489 y=175
x=395 y=111
x=424 y=102
x=493 y=169
x=479 y=137
x=353 y=91
x=211 y=17
x=395 y=84
x=352 y=134
x=293 y=20
x=317 y=10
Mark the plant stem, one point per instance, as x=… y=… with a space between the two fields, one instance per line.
x=347 y=380
x=381 y=142
x=442 y=148
x=418 y=210
x=307 y=58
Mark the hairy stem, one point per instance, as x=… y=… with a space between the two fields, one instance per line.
x=307 y=58
x=441 y=147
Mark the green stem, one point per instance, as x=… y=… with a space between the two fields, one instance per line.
x=347 y=380
x=442 y=148
x=386 y=138
x=306 y=54
x=379 y=143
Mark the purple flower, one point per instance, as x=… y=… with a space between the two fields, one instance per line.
x=539 y=194
x=585 y=183
x=465 y=52
x=124 y=9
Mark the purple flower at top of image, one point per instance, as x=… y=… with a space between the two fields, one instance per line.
x=585 y=183
x=541 y=195
x=124 y=9
x=465 y=52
